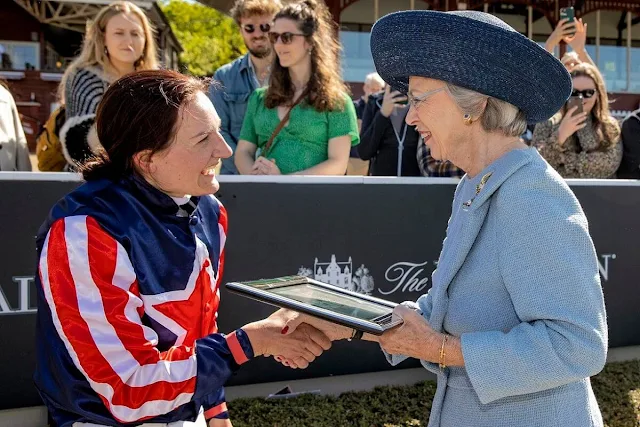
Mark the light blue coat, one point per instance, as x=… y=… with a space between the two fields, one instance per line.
x=518 y=281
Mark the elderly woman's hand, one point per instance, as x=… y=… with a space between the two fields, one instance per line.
x=413 y=338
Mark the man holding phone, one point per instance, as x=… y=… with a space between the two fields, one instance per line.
x=386 y=139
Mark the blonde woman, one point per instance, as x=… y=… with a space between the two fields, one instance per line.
x=118 y=41
x=586 y=144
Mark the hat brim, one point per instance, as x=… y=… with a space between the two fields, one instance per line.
x=473 y=50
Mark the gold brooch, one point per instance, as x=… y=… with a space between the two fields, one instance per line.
x=479 y=188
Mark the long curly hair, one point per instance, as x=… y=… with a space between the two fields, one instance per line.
x=93 y=45
x=326 y=87
x=605 y=125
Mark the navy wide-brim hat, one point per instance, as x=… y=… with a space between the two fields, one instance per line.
x=474 y=50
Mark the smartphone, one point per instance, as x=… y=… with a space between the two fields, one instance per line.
x=575 y=101
x=568 y=13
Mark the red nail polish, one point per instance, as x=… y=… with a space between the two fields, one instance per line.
x=284 y=330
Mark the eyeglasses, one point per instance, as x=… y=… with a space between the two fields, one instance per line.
x=286 y=37
x=586 y=94
x=250 y=28
x=415 y=100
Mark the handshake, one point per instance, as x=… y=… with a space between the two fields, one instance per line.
x=295 y=339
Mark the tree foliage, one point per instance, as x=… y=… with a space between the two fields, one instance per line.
x=210 y=39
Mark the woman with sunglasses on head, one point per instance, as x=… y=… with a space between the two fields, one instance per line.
x=304 y=123
x=118 y=41
x=582 y=144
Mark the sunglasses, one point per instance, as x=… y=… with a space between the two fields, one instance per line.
x=250 y=28
x=286 y=37
x=586 y=94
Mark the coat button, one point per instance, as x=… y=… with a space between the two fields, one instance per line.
x=193 y=220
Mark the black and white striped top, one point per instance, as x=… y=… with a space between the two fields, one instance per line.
x=83 y=92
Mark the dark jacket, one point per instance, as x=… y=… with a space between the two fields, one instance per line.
x=630 y=165
x=379 y=143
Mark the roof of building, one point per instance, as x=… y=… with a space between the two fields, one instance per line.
x=73 y=14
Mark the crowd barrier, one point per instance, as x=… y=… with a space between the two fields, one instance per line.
x=381 y=236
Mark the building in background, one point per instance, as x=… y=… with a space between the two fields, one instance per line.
x=38 y=38
x=613 y=34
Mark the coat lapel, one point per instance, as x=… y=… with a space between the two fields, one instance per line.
x=468 y=217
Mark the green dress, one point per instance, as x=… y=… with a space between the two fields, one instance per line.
x=304 y=142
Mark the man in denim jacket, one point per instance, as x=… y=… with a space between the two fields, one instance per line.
x=241 y=77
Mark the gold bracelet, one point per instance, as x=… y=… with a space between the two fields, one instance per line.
x=442 y=353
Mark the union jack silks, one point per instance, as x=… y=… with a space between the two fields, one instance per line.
x=128 y=294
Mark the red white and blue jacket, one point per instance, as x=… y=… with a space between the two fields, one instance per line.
x=127 y=305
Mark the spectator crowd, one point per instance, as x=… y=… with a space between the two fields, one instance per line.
x=285 y=109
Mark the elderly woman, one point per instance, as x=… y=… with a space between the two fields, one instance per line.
x=515 y=323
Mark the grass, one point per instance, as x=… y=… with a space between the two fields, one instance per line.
x=617 y=389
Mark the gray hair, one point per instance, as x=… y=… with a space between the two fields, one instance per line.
x=374 y=78
x=497 y=116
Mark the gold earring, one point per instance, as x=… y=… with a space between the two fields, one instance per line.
x=467 y=119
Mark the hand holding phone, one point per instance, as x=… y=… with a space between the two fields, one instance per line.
x=574 y=119
x=575 y=101
x=390 y=100
x=568 y=13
